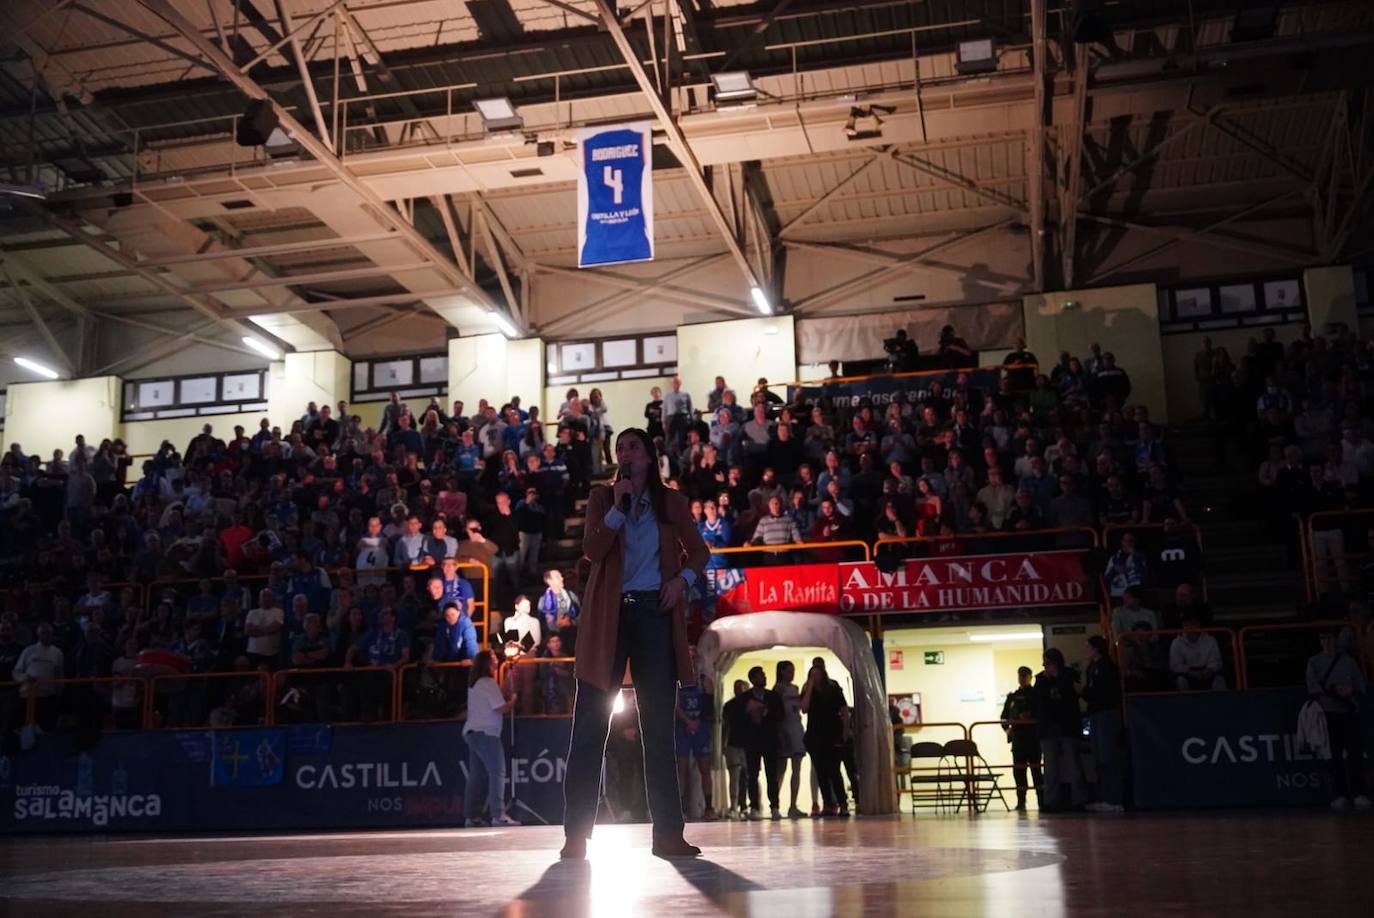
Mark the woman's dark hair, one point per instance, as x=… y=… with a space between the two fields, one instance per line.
x=787 y=665
x=654 y=481
x=483 y=665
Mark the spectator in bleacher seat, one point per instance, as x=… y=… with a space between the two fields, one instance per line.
x=559 y=685
x=1127 y=567
x=558 y=604
x=1185 y=603
x=1102 y=696
x=264 y=626
x=1131 y=612
x=1195 y=659
x=1059 y=726
x=37 y=666
x=1024 y=515
x=1334 y=679
x=1018 y=722
x=1071 y=509
x=996 y=496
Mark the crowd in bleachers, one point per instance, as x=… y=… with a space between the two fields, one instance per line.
x=329 y=545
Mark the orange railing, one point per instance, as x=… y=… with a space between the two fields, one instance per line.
x=973 y=537
x=443 y=704
x=169 y=685
x=797 y=546
x=522 y=675
x=155 y=588
x=1316 y=577
x=1235 y=670
x=1111 y=540
x=352 y=681
x=66 y=701
x=1299 y=663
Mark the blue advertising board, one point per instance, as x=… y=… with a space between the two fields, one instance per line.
x=300 y=777
x=1219 y=749
x=895 y=387
x=615 y=204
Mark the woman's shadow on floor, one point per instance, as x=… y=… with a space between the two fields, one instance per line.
x=564 y=888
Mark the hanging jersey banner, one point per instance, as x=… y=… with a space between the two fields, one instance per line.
x=615 y=203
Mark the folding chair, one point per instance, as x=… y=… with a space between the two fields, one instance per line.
x=972 y=772
x=918 y=776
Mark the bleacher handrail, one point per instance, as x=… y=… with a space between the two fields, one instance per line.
x=910 y=374
x=1236 y=663
x=1312 y=582
x=997 y=534
x=419 y=666
x=150 y=696
x=280 y=675
x=1320 y=625
x=795 y=546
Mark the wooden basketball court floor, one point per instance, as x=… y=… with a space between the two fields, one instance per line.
x=1200 y=864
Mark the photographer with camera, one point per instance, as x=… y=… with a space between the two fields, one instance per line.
x=902 y=353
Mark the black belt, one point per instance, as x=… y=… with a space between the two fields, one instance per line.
x=635 y=597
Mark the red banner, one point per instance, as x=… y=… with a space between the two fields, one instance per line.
x=787 y=587
x=1009 y=581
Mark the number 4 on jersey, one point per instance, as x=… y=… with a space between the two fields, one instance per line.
x=614 y=179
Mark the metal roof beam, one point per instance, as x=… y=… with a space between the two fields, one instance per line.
x=595 y=311
x=320 y=150
x=1035 y=154
x=59 y=353
x=666 y=291
x=1071 y=192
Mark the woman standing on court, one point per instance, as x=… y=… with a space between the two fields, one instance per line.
x=487 y=704
x=645 y=555
x=791 y=742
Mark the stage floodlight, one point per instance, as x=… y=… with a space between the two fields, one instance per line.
x=498 y=115
x=734 y=86
x=761 y=300
x=262 y=347
x=33 y=366
x=976 y=56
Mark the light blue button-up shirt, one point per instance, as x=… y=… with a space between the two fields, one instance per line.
x=640 y=535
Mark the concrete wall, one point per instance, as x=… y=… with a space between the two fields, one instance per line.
x=1330 y=294
x=146 y=436
x=1179 y=350
x=47 y=415
x=741 y=350
x=1124 y=320
x=973 y=680
x=626 y=399
x=490 y=367
x=323 y=377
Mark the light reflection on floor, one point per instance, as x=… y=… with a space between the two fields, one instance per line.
x=1135 y=865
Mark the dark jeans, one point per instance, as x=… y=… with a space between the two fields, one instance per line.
x=825 y=760
x=645 y=638
x=769 y=760
x=1104 y=731
x=1347 y=754
x=1025 y=754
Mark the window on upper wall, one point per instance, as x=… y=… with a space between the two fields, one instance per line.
x=412 y=375
x=629 y=357
x=1231 y=304
x=194 y=395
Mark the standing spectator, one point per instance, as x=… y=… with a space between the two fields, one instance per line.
x=1018 y=721
x=823 y=703
x=677 y=411
x=693 y=737
x=997 y=496
x=1060 y=726
x=734 y=729
x=598 y=412
x=455 y=639
x=1126 y=568
x=791 y=736
x=558 y=604
x=1102 y=694
x=1195 y=659
x=1335 y=681
x=1020 y=368
x=37 y=669
x=263 y=627
x=653 y=414
x=715 y=532
x=439 y=544
x=764 y=718
x=487 y=705
x=531 y=521
x=522 y=627
x=777 y=528
x=502 y=530
x=559 y=682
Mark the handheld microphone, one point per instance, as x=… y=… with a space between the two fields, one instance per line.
x=624 y=475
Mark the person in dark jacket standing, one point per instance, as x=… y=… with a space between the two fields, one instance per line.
x=1102 y=693
x=762 y=723
x=823 y=704
x=1018 y=720
x=1060 y=725
x=734 y=727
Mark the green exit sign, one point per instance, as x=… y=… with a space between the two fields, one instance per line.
x=935 y=658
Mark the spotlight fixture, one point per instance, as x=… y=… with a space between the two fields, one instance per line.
x=503 y=325
x=865 y=122
x=761 y=300
x=33 y=366
x=976 y=56
x=498 y=115
x=545 y=148
x=262 y=348
x=734 y=86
